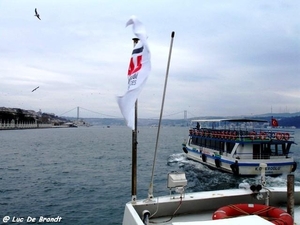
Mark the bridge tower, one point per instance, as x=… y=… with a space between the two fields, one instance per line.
x=77 y=114
x=185 y=115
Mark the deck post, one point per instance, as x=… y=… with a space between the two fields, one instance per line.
x=290 y=194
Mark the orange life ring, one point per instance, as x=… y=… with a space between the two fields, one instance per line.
x=221 y=134
x=214 y=134
x=275 y=215
x=228 y=135
x=233 y=136
x=278 y=136
x=252 y=135
x=286 y=136
x=263 y=135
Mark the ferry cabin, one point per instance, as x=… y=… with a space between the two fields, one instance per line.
x=220 y=148
x=242 y=146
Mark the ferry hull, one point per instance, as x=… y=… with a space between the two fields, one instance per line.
x=242 y=168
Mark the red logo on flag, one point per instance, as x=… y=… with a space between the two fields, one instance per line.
x=133 y=68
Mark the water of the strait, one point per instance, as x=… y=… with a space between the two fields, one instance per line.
x=83 y=175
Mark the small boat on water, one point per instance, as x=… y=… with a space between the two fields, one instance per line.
x=70 y=124
x=238 y=146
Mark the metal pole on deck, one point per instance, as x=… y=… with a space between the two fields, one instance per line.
x=150 y=190
x=290 y=194
x=134 y=148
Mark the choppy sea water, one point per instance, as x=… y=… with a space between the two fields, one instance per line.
x=83 y=175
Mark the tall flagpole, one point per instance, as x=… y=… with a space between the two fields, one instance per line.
x=150 y=191
x=134 y=147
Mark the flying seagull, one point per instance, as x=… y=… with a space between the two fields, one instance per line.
x=36 y=14
x=35 y=88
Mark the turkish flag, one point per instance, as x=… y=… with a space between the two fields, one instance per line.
x=274 y=123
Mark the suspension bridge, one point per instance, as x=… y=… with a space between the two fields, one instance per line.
x=79 y=110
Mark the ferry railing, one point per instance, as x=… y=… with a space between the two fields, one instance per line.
x=244 y=135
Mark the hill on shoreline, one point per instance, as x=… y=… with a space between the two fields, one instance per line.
x=22 y=115
x=283 y=122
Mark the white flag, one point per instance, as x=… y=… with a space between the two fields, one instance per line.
x=138 y=71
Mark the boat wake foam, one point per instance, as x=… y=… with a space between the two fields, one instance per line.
x=201 y=178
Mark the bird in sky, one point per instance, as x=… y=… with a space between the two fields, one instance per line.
x=36 y=14
x=35 y=88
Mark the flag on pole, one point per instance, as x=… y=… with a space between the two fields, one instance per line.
x=274 y=122
x=138 y=71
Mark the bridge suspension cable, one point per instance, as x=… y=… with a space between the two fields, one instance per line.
x=102 y=114
x=172 y=114
x=98 y=113
x=67 y=111
x=111 y=116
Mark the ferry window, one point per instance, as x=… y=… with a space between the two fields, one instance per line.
x=193 y=140
x=265 y=151
x=201 y=142
x=221 y=145
x=218 y=146
x=284 y=150
x=273 y=149
x=213 y=144
x=256 y=151
x=197 y=140
x=208 y=143
x=229 y=147
x=278 y=149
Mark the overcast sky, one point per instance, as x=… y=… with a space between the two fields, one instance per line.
x=230 y=58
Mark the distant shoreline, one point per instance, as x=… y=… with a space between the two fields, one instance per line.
x=41 y=126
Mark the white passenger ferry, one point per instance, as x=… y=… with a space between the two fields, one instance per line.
x=238 y=146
